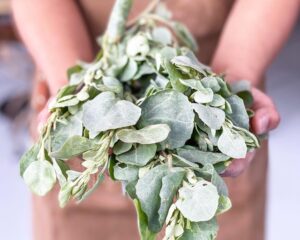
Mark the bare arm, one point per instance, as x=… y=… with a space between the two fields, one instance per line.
x=253 y=35
x=55 y=34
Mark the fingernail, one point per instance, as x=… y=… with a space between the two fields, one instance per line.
x=263 y=124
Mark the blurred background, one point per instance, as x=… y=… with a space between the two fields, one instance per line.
x=16 y=71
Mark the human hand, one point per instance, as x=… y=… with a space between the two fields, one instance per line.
x=265 y=119
x=44 y=115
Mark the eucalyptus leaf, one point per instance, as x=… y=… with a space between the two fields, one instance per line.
x=139 y=156
x=187 y=62
x=64 y=131
x=130 y=70
x=198 y=203
x=144 y=231
x=170 y=184
x=106 y=112
x=147 y=135
x=171 y=108
x=212 y=83
x=40 y=177
x=201 y=231
x=197 y=156
x=126 y=173
x=212 y=117
x=74 y=146
x=147 y=190
x=29 y=157
x=232 y=144
x=239 y=114
x=162 y=35
x=121 y=147
x=175 y=77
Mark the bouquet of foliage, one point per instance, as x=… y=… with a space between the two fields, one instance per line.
x=147 y=111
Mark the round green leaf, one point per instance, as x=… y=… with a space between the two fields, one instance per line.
x=147 y=135
x=172 y=108
x=198 y=203
x=232 y=144
x=40 y=177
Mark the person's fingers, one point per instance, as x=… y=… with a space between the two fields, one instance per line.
x=44 y=115
x=266 y=116
x=238 y=166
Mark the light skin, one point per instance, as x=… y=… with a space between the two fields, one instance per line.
x=242 y=53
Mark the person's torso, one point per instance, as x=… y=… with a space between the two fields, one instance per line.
x=204 y=18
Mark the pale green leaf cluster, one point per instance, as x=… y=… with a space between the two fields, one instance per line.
x=157 y=119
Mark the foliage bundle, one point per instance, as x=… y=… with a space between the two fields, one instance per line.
x=147 y=111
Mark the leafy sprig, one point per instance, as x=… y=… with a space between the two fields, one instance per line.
x=147 y=111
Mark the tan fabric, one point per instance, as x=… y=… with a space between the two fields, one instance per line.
x=107 y=214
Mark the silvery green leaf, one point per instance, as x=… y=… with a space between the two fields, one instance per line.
x=225 y=89
x=167 y=53
x=162 y=35
x=224 y=204
x=215 y=179
x=212 y=117
x=121 y=147
x=144 y=69
x=139 y=156
x=232 y=144
x=64 y=195
x=130 y=189
x=117 y=20
x=187 y=62
x=170 y=184
x=28 y=157
x=204 y=96
x=243 y=89
x=184 y=35
x=211 y=82
x=87 y=193
x=106 y=112
x=73 y=109
x=197 y=156
x=82 y=96
x=171 y=108
x=175 y=76
x=130 y=70
x=249 y=137
x=67 y=103
x=113 y=84
x=147 y=135
x=127 y=173
x=240 y=86
x=65 y=91
x=239 y=115
x=40 y=177
x=201 y=231
x=218 y=101
x=63 y=132
x=182 y=162
x=137 y=45
x=74 y=146
x=161 y=81
x=147 y=190
x=60 y=169
x=199 y=202
x=145 y=233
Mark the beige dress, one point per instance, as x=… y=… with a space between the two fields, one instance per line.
x=107 y=214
